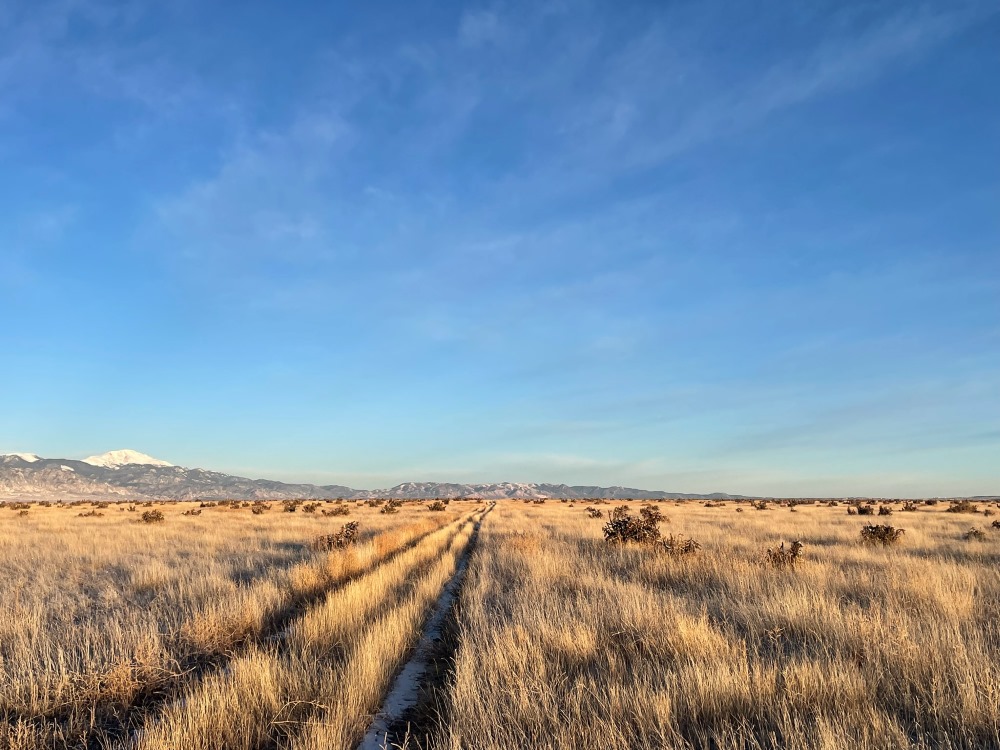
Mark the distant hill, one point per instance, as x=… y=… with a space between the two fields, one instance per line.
x=128 y=474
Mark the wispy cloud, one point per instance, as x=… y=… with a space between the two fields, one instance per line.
x=479 y=27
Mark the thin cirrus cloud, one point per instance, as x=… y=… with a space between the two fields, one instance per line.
x=635 y=244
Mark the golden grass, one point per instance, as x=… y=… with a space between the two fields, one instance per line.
x=564 y=642
x=329 y=659
x=102 y=612
x=224 y=630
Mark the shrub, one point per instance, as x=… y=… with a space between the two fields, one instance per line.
x=759 y=504
x=310 y=507
x=152 y=516
x=259 y=507
x=678 y=546
x=996 y=524
x=974 y=535
x=651 y=514
x=347 y=536
x=23 y=512
x=192 y=512
x=884 y=535
x=909 y=506
x=18 y=506
x=884 y=510
x=866 y=510
x=783 y=557
x=90 y=514
x=852 y=510
x=437 y=505
x=931 y=501
x=624 y=528
x=392 y=506
x=962 y=506
x=290 y=506
x=338 y=510
x=593 y=512
x=374 y=502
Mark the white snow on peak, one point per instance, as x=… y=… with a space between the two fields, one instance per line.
x=114 y=459
x=29 y=457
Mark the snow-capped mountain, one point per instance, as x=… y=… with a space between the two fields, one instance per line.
x=29 y=457
x=114 y=459
x=128 y=474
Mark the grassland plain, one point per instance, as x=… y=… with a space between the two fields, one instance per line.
x=565 y=642
x=226 y=629
x=106 y=619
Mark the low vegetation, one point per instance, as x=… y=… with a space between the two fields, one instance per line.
x=561 y=644
x=249 y=626
x=881 y=534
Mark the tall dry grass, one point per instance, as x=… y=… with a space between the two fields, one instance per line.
x=565 y=642
x=318 y=684
x=101 y=614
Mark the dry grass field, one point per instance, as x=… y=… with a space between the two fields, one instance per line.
x=229 y=629
x=565 y=643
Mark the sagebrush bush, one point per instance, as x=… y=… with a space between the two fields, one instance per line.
x=963 y=506
x=884 y=510
x=347 y=536
x=881 y=534
x=866 y=510
x=192 y=512
x=651 y=514
x=437 y=505
x=152 y=516
x=783 y=557
x=909 y=506
x=593 y=512
x=624 y=528
x=392 y=506
x=678 y=546
x=974 y=535
x=337 y=510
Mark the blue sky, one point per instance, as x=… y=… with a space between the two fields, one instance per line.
x=692 y=246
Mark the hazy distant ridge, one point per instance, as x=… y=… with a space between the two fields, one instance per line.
x=53 y=478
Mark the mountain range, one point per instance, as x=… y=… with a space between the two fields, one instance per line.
x=128 y=474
